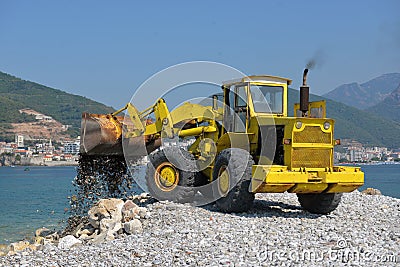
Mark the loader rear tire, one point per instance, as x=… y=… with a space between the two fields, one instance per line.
x=166 y=181
x=237 y=164
x=322 y=203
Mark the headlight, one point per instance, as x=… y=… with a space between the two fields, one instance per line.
x=299 y=124
x=327 y=125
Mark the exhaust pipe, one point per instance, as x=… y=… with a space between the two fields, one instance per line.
x=304 y=94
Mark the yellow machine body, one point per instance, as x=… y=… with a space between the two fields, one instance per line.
x=303 y=144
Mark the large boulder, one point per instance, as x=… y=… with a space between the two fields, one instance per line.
x=68 y=242
x=129 y=211
x=106 y=216
x=372 y=191
x=3 y=249
x=133 y=227
x=109 y=218
x=45 y=236
x=86 y=230
x=43 y=232
x=19 y=246
x=106 y=209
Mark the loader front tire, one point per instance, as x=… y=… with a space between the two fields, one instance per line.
x=322 y=203
x=166 y=181
x=232 y=170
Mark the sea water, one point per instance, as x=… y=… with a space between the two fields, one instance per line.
x=385 y=177
x=33 y=197
x=38 y=196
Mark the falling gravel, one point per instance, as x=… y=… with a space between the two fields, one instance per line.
x=363 y=231
x=98 y=177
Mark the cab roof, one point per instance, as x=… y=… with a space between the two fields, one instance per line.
x=259 y=78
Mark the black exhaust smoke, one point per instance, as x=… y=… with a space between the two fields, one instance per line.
x=304 y=94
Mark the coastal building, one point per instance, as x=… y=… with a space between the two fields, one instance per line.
x=49 y=148
x=19 y=140
x=71 y=148
x=23 y=152
x=2 y=146
x=395 y=155
x=7 y=148
x=48 y=158
x=41 y=117
x=66 y=157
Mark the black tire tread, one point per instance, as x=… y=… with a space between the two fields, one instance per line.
x=320 y=203
x=239 y=199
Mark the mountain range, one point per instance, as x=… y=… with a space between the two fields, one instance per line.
x=379 y=96
x=366 y=126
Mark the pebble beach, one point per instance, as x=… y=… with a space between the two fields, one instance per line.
x=363 y=231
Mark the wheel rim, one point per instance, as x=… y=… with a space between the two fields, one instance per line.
x=166 y=177
x=223 y=180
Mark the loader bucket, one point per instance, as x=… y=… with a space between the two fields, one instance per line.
x=101 y=134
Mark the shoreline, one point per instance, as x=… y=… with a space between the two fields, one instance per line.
x=75 y=163
x=369 y=163
x=55 y=164
x=38 y=161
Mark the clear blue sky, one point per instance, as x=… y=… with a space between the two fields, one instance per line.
x=105 y=49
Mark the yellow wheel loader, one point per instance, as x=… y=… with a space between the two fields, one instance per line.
x=242 y=143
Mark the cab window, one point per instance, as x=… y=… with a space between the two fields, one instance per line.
x=267 y=98
x=236 y=102
x=240 y=109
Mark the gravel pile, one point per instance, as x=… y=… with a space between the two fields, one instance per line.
x=364 y=230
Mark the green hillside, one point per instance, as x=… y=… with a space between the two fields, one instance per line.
x=352 y=123
x=16 y=94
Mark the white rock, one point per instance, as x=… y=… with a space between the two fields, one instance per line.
x=68 y=241
x=129 y=210
x=142 y=212
x=133 y=227
x=110 y=226
x=106 y=209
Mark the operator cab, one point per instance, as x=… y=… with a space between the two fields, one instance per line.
x=262 y=94
x=253 y=96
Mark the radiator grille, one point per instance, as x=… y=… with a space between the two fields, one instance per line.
x=312 y=134
x=311 y=158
